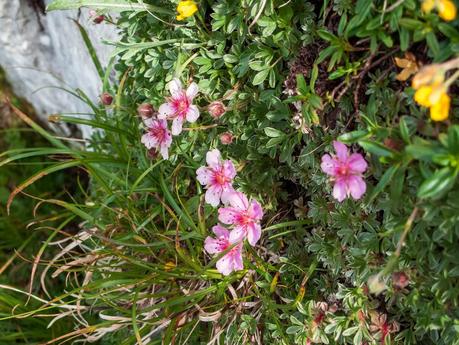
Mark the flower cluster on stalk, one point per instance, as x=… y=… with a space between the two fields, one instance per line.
x=237 y=211
x=178 y=108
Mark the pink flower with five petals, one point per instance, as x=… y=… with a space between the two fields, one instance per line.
x=217 y=176
x=346 y=172
x=244 y=216
x=231 y=261
x=157 y=136
x=179 y=107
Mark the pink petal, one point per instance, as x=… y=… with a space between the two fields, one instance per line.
x=204 y=175
x=192 y=91
x=213 y=195
x=165 y=110
x=221 y=231
x=357 y=186
x=175 y=88
x=227 y=191
x=357 y=164
x=237 y=234
x=229 y=169
x=177 y=126
x=164 y=150
x=225 y=265
x=339 y=191
x=255 y=210
x=341 y=150
x=238 y=200
x=212 y=245
x=328 y=165
x=213 y=158
x=192 y=114
x=149 y=140
x=227 y=215
x=237 y=259
x=253 y=233
x=149 y=121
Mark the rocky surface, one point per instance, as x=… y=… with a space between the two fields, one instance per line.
x=42 y=53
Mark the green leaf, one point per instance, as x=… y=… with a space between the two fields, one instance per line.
x=383 y=182
x=273 y=132
x=115 y=5
x=411 y=24
x=352 y=137
x=404 y=130
x=376 y=148
x=439 y=183
x=433 y=44
x=260 y=77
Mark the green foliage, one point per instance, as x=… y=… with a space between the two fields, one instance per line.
x=294 y=76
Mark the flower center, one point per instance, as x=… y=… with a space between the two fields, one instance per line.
x=220 y=178
x=181 y=105
x=159 y=133
x=342 y=170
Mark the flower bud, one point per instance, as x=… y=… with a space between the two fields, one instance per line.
x=152 y=153
x=106 y=98
x=226 y=138
x=145 y=110
x=98 y=19
x=428 y=75
x=216 y=109
x=400 y=280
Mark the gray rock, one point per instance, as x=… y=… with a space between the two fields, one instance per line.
x=42 y=53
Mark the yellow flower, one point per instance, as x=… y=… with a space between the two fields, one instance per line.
x=422 y=96
x=186 y=9
x=169 y=265
x=446 y=10
x=428 y=5
x=440 y=110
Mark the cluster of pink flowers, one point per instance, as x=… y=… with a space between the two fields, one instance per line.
x=237 y=211
x=178 y=108
x=346 y=172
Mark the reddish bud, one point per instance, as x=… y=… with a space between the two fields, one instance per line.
x=106 y=98
x=400 y=280
x=98 y=19
x=216 y=109
x=152 y=153
x=226 y=138
x=145 y=110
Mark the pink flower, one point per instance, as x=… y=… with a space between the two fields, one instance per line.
x=179 y=106
x=244 y=216
x=217 y=176
x=231 y=261
x=157 y=136
x=346 y=171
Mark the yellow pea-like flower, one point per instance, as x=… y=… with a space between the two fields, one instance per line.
x=422 y=96
x=440 y=110
x=186 y=9
x=446 y=10
x=428 y=5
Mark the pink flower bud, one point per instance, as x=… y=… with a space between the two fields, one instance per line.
x=98 y=19
x=400 y=280
x=216 y=109
x=92 y=13
x=226 y=138
x=145 y=110
x=106 y=98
